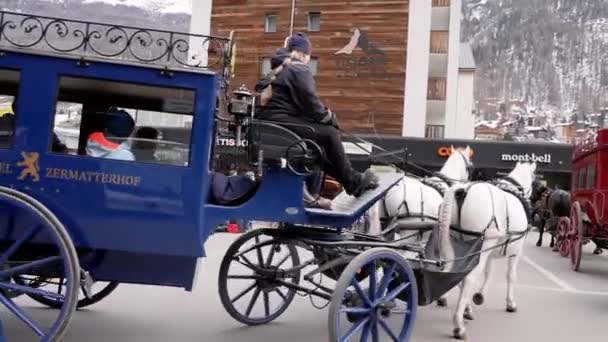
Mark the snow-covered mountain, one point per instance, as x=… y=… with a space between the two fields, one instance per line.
x=544 y=52
x=171 y=15
x=166 y=6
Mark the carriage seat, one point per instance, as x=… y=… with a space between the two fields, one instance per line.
x=273 y=139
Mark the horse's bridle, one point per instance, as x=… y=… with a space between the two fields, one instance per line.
x=468 y=166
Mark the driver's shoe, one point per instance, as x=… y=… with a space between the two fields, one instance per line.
x=367 y=181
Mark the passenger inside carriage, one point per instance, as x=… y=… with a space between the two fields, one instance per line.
x=291 y=98
x=111 y=140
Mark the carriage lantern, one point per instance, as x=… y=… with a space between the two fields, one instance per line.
x=241 y=107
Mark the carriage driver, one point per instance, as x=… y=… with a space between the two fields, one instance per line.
x=111 y=142
x=294 y=100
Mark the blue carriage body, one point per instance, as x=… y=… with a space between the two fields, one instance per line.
x=135 y=222
x=132 y=221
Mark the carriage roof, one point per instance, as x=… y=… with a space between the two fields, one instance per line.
x=596 y=143
x=116 y=44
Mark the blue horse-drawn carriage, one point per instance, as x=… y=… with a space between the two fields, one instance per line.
x=73 y=226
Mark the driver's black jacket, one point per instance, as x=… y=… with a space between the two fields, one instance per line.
x=294 y=94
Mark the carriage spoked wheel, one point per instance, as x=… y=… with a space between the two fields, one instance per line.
x=252 y=280
x=98 y=290
x=40 y=245
x=562 y=243
x=364 y=310
x=576 y=236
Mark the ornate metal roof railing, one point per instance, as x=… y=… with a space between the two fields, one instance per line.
x=82 y=39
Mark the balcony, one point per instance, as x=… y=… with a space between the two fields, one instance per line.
x=437 y=88
x=440 y=41
x=441 y=3
x=434 y=131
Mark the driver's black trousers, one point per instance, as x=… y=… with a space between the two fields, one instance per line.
x=337 y=164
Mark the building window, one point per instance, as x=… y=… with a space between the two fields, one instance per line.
x=441 y=3
x=270 y=23
x=314 y=65
x=581 y=179
x=437 y=88
x=439 y=41
x=434 y=131
x=314 y=21
x=591 y=176
x=265 y=66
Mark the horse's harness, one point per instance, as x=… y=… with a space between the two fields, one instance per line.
x=510 y=186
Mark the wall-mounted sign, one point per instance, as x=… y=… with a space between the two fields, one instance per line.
x=360 y=58
x=230 y=142
x=447 y=151
x=528 y=157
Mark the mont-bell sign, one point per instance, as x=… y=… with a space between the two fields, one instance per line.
x=528 y=157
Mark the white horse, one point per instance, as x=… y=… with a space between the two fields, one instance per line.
x=415 y=201
x=500 y=214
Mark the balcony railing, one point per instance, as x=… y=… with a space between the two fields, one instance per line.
x=434 y=131
x=441 y=3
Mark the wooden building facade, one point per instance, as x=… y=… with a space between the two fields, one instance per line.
x=359 y=52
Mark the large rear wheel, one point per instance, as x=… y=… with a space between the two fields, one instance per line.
x=562 y=243
x=576 y=236
x=39 y=246
x=98 y=291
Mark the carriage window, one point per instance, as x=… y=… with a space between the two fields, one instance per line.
x=591 y=176
x=113 y=120
x=9 y=85
x=581 y=179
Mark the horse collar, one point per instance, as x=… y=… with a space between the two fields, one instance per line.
x=514 y=183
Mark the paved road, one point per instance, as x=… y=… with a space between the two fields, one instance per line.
x=556 y=305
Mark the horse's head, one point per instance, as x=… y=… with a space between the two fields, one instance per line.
x=459 y=166
x=538 y=189
x=525 y=175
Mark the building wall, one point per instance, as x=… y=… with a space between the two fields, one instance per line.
x=464 y=123
x=365 y=86
x=451 y=104
x=200 y=23
x=419 y=37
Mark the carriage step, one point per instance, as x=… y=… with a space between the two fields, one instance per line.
x=349 y=206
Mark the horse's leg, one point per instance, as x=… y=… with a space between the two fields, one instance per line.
x=468 y=286
x=541 y=230
x=511 y=279
x=443 y=300
x=480 y=297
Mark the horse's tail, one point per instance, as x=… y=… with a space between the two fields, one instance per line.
x=445 y=220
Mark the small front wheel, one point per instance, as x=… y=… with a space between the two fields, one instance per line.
x=365 y=310
x=255 y=278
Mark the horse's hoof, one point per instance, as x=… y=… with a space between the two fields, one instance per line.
x=598 y=251
x=442 y=302
x=511 y=308
x=460 y=334
x=469 y=316
x=478 y=299
x=539 y=244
